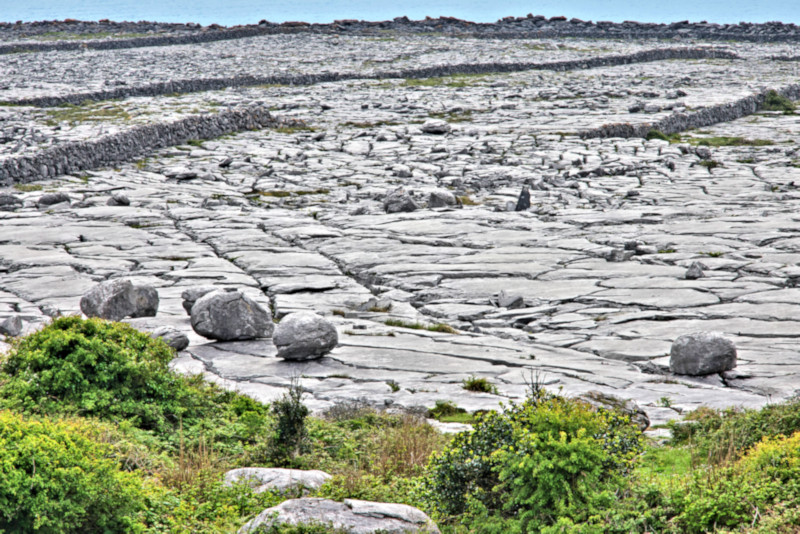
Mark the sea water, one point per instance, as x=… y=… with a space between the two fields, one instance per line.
x=232 y=12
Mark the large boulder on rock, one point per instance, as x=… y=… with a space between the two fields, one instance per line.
x=191 y=295
x=50 y=199
x=230 y=316
x=116 y=299
x=357 y=517
x=399 y=201
x=304 y=336
x=266 y=478
x=9 y=202
x=441 y=199
x=171 y=336
x=436 y=127
x=611 y=402
x=702 y=353
x=11 y=326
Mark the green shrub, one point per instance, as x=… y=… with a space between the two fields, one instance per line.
x=546 y=458
x=480 y=385
x=720 y=435
x=290 y=437
x=778 y=102
x=114 y=372
x=58 y=478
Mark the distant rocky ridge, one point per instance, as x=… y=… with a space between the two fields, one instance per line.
x=530 y=26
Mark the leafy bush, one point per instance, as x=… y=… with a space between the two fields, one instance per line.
x=480 y=385
x=777 y=102
x=290 y=437
x=114 y=372
x=545 y=459
x=721 y=435
x=59 y=478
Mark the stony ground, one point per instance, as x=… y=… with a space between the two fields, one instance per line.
x=584 y=291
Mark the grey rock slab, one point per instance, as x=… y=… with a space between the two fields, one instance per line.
x=357 y=517
x=230 y=316
x=117 y=299
x=303 y=336
x=627 y=350
x=667 y=298
x=702 y=353
x=263 y=479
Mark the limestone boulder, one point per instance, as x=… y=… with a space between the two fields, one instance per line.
x=11 y=326
x=230 y=316
x=436 y=127
x=264 y=478
x=441 y=199
x=304 y=336
x=353 y=516
x=702 y=353
x=9 y=202
x=191 y=295
x=399 y=201
x=116 y=299
x=171 y=336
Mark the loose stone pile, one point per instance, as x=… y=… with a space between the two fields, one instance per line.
x=408 y=233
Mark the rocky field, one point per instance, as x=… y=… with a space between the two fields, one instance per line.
x=457 y=205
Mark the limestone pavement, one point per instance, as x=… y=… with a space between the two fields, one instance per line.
x=585 y=290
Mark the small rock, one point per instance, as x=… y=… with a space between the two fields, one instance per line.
x=524 y=200
x=180 y=173
x=263 y=478
x=191 y=295
x=617 y=256
x=171 y=336
x=358 y=517
x=116 y=299
x=436 y=127
x=441 y=199
x=402 y=171
x=703 y=152
x=11 y=326
x=694 y=271
x=9 y=202
x=230 y=316
x=510 y=301
x=304 y=336
x=399 y=201
x=225 y=163
x=49 y=199
x=624 y=406
x=702 y=353
x=118 y=199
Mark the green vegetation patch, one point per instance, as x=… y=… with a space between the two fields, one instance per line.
x=777 y=102
x=88 y=111
x=439 y=327
x=479 y=385
x=456 y=80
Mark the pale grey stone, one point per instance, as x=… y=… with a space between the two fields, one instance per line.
x=436 y=127
x=230 y=316
x=263 y=478
x=171 y=336
x=119 y=298
x=399 y=201
x=118 y=199
x=694 y=271
x=49 y=199
x=354 y=516
x=441 y=199
x=304 y=336
x=11 y=326
x=702 y=353
x=9 y=202
x=191 y=295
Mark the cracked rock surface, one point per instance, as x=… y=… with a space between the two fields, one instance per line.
x=584 y=289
